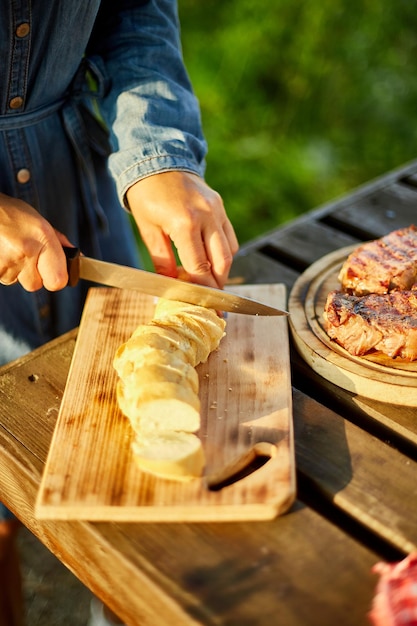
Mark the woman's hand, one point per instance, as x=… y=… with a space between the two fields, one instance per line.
x=30 y=248
x=180 y=208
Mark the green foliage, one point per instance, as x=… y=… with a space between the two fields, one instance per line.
x=301 y=101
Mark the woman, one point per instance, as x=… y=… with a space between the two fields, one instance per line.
x=97 y=120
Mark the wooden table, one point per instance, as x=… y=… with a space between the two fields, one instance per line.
x=356 y=473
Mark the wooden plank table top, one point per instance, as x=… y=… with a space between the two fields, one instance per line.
x=356 y=462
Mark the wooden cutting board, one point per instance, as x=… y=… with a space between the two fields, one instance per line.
x=245 y=392
x=374 y=376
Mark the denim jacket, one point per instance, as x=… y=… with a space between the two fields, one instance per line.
x=148 y=102
x=62 y=61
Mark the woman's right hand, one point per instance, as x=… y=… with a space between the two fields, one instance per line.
x=30 y=248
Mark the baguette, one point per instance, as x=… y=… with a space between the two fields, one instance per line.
x=172 y=338
x=170 y=455
x=197 y=323
x=139 y=362
x=145 y=348
x=157 y=388
x=159 y=406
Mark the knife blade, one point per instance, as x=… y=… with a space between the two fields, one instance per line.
x=153 y=284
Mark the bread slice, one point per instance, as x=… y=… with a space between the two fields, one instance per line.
x=199 y=324
x=171 y=455
x=143 y=346
x=173 y=338
x=155 y=368
x=190 y=330
x=159 y=406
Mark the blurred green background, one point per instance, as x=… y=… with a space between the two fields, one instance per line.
x=301 y=101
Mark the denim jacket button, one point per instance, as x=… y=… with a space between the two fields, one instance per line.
x=44 y=311
x=23 y=176
x=16 y=103
x=22 y=30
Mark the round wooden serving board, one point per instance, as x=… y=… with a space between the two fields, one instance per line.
x=375 y=376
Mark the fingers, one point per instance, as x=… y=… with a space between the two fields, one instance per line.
x=206 y=256
x=48 y=270
x=63 y=239
x=220 y=246
x=7 y=283
x=207 y=244
x=161 y=251
x=30 y=249
x=29 y=278
x=52 y=266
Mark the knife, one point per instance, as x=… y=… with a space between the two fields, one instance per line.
x=153 y=284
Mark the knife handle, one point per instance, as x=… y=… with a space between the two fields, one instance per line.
x=73 y=265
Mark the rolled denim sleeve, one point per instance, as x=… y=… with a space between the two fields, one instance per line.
x=149 y=106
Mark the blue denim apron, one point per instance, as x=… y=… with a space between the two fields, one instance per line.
x=64 y=151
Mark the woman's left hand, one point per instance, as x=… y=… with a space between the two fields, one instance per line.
x=180 y=208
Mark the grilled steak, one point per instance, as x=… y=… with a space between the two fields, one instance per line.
x=384 y=322
x=384 y=265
